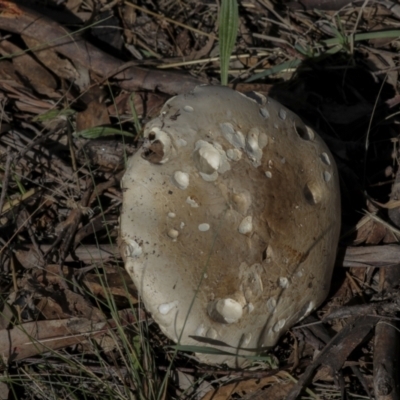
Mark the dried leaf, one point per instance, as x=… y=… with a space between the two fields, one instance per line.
x=278 y=384
x=96 y=114
x=147 y=105
x=62 y=67
x=38 y=77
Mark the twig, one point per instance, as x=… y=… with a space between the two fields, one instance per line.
x=171 y=21
x=6 y=178
x=336 y=351
x=386 y=341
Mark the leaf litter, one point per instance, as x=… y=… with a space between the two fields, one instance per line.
x=71 y=323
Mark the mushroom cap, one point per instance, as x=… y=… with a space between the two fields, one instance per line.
x=230 y=221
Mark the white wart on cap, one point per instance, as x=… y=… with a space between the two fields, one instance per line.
x=230 y=220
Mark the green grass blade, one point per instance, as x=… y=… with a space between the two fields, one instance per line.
x=52 y=114
x=275 y=70
x=228 y=28
x=212 y=350
x=366 y=36
x=101 y=131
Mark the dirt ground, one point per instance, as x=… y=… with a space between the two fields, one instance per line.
x=78 y=81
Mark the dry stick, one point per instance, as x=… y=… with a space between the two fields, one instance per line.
x=171 y=21
x=14 y=275
x=386 y=360
x=356 y=371
x=67 y=234
x=32 y=236
x=333 y=5
x=102 y=187
x=336 y=351
x=72 y=222
x=318 y=336
x=38 y=140
x=88 y=254
x=381 y=309
x=7 y=244
x=369 y=256
x=6 y=178
x=387 y=337
x=21 y=20
x=29 y=149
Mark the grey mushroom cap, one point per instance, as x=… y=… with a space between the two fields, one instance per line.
x=230 y=221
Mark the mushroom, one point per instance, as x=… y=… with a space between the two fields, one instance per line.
x=230 y=221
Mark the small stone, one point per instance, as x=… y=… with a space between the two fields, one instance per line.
x=204 y=227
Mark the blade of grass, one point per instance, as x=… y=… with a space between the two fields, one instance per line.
x=365 y=36
x=101 y=131
x=336 y=42
x=275 y=70
x=228 y=27
x=219 y=352
x=52 y=114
